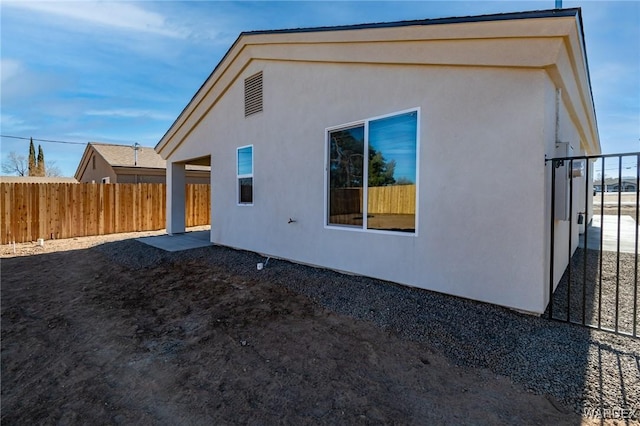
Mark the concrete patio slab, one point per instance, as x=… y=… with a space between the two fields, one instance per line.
x=178 y=242
x=607 y=226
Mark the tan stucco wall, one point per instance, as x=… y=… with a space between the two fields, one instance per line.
x=133 y=175
x=480 y=215
x=563 y=127
x=102 y=169
x=487 y=120
x=136 y=178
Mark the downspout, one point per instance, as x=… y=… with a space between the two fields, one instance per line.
x=558 y=96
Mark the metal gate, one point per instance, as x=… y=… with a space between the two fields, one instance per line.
x=594 y=234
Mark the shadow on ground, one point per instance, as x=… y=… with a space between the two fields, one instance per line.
x=599 y=290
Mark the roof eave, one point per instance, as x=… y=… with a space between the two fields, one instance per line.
x=165 y=148
x=84 y=161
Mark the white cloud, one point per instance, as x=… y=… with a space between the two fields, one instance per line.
x=130 y=113
x=12 y=124
x=117 y=15
x=9 y=68
x=20 y=84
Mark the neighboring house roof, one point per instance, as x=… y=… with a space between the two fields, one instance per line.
x=118 y=156
x=123 y=155
x=550 y=40
x=37 y=179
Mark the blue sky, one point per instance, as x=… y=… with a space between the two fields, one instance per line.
x=122 y=71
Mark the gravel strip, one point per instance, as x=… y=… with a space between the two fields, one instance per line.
x=585 y=369
x=596 y=296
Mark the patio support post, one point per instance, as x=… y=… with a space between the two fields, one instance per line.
x=176 y=188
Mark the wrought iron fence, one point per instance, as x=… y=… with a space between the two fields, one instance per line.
x=595 y=219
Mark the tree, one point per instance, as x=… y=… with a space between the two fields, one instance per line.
x=52 y=169
x=404 y=181
x=32 y=159
x=346 y=159
x=19 y=165
x=380 y=170
x=346 y=162
x=40 y=166
x=15 y=164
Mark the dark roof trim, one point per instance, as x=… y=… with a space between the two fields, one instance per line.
x=586 y=63
x=548 y=13
x=437 y=21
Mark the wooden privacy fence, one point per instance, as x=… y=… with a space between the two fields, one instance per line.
x=392 y=199
x=63 y=210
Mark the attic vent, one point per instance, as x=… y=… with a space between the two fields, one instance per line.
x=253 y=94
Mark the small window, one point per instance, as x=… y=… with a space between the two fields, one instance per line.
x=245 y=174
x=106 y=179
x=253 y=95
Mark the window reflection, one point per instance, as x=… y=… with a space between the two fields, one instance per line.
x=245 y=160
x=245 y=175
x=246 y=190
x=346 y=176
x=391 y=188
x=379 y=157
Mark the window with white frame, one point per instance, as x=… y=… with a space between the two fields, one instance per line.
x=244 y=162
x=372 y=173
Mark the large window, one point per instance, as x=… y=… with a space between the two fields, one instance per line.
x=372 y=174
x=245 y=174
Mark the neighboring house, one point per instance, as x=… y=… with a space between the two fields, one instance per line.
x=613 y=185
x=110 y=163
x=409 y=151
x=628 y=185
x=37 y=179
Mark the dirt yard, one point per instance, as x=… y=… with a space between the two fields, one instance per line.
x=92 y=341
x=627 y=201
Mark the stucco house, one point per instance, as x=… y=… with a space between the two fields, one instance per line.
x=407 y=151
x=111 y=163
x=629 y=184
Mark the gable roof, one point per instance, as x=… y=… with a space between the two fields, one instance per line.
x=552 y=40
x=123 y=156
x=434 y=21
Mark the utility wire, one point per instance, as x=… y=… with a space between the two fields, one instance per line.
x=624 y=166
x=42 y=140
